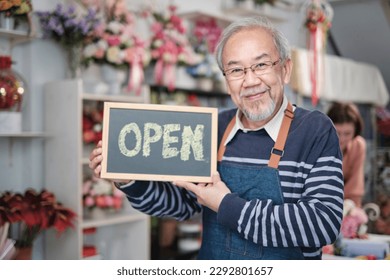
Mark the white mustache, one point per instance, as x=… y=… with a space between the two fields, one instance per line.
x=253 y=90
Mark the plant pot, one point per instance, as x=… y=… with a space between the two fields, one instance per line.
x=92 y=82
x=7 y=22
x=10 y=122
x=23 y=253
x=205 y=84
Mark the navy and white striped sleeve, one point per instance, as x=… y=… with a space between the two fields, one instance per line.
x=161 y=199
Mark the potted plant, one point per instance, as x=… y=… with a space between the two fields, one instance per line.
x=30 y=213
x=15 y=13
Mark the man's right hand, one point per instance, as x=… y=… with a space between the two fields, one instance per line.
x=95 y=159
x=95 y=162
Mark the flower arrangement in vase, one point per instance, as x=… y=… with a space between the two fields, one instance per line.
x=206 y=35
x=355 y=219
x=70 y=29
x=169 y=45
x=101 y=194
x=13 y=89
x=12 y=85
x=16 y=12
x=114 y=43
x=318 y=20
x=30 y=213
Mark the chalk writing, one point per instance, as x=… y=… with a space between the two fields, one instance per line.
x=153 y=132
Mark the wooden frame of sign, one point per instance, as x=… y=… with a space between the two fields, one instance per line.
x=159 y=142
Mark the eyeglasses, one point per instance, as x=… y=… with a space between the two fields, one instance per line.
x=258 y=69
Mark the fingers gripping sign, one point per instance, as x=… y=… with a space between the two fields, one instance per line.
x=95 y=159
x=210 y=194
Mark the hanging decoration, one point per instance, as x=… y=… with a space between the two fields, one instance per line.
x=318 y=20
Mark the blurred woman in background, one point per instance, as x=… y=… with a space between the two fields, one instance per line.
x=349 y=126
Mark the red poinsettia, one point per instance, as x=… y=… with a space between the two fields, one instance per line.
x=31 y=213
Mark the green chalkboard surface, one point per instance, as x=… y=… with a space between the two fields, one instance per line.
x=159 y=142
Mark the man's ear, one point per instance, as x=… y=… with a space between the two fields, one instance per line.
x=287 y=69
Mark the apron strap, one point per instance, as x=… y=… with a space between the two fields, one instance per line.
x=278 y=149
x=222 y=147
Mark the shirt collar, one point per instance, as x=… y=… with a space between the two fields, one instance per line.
x=272 y=127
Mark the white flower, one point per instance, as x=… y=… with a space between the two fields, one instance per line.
x=157 y=43
x=102 y=44
x=113 y=55
x=90 y=50
x=167 y=57
x=115 y=27
x=102 y=187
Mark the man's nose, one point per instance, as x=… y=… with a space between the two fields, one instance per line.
x=250 y=78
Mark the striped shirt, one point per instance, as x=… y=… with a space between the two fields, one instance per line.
x=311 y=179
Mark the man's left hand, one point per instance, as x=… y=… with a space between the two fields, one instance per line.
x=210 y=194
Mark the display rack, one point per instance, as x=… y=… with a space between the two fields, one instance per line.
x=122 y=235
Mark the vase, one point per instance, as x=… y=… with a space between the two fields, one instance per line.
x=184 y=79
x=13 y=91
x=10 y=122
x=74 y=56
x=23 y=253
x=92 y=82
x=6 y=22
x=114 y=77
x=205 y=84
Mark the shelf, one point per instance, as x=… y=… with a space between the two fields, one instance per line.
x=85 y=161
x=128 y=229
x=191 y=91
x=248 y=9
x=16 y=36
x=113 y=219
x=222 y=19
x=26 y=134
x=114 y=98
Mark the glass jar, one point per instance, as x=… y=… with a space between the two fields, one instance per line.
x=12 y=87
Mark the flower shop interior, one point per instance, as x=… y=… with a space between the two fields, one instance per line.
x=60 y=61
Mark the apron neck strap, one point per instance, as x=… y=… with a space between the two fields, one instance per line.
x=222 y=147
x=277 y=150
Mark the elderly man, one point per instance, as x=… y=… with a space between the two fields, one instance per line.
x=278 y=193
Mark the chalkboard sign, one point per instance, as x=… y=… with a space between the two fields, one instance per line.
x=159 y=142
